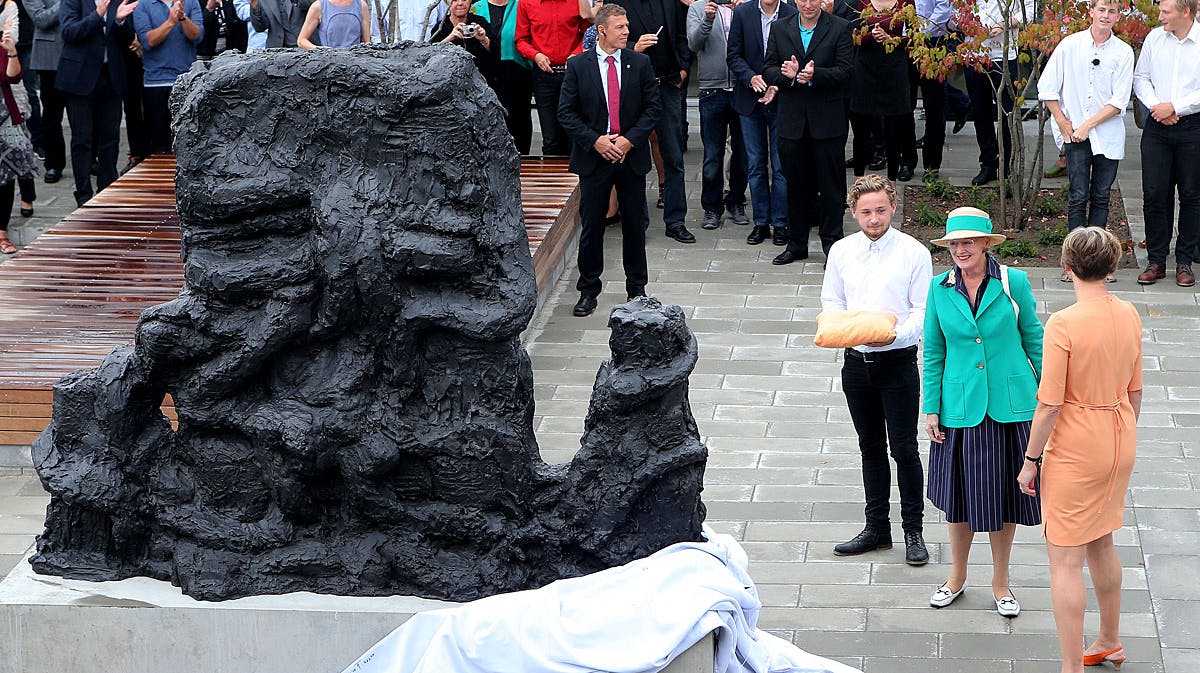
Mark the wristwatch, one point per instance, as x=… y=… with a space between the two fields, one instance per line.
x=1036 y=461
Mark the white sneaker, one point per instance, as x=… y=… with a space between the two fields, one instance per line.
x=1007 y=606
x=943 y=596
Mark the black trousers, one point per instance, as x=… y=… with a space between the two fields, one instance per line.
x=897 y=141
x=882 y=395
x=95 y=133
x=1171 y=159
x=594 y=191
x=815 y=171
x=546 y=89
x=136 y=131
x=53 y=106
x=933 y=93
x=155 y=100
x=33 y=121
x=513 y=85
x=982 y=87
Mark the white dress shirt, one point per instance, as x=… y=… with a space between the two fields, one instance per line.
x=1168 y=71
x=1084 y=77
x=602 y=57
x=412 y=15
x=991 y=13
x=891 y=274
x=767 y=21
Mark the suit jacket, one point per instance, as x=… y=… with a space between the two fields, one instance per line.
x=583 y=110
x=819 y=109
x=280 y=22
x=980 y=363
x=47 y=37
x=673 y=35
x=85 y=42
x=746 y=53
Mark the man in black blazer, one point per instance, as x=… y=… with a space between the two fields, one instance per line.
x=91 y=74
x=658 y=29
x=753 y=99
x=608 y=152
x=811 y=61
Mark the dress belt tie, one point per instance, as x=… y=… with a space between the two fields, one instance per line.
x=1118 y=428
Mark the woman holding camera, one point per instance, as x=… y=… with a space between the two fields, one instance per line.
x=16 y=152
x=1083 y=437
x=468 y=30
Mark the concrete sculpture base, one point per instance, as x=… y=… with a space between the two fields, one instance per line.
x=141 y=625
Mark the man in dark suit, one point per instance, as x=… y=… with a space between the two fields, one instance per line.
x=609 y=105
x=658 y=29
x=753 y=99
x=281 y=20
x=811 y=61
x=91 y=74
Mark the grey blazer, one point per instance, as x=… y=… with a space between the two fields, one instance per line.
x=280 y=21
x=47 y=34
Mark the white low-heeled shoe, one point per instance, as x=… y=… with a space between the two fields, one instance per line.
x=1007 y=606
x=943 y=596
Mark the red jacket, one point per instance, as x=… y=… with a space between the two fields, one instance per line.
x=552 y=27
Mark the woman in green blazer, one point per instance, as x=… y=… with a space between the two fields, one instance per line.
x=983 y=360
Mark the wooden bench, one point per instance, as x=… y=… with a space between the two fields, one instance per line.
x=77 y=291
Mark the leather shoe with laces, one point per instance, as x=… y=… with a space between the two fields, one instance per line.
x=904 y=174
x=758 y=234
x=681 y=234
x=915 y=553
x=867 y=540
x=787 y=257
x=1154 y=272
x=585 y=306
x=53 y=175
x=1183 y=275
x=986 y=174
x=780 y=236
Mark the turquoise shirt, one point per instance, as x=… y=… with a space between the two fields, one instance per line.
x=508 y=30
x=988 y=362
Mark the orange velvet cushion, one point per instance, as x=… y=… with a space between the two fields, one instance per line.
x=845 y=329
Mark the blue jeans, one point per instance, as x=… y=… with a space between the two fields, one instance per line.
x=718 y=122
x=768 y=188
x=1091 y=177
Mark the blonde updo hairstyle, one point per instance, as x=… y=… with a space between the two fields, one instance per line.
x=1091 y=253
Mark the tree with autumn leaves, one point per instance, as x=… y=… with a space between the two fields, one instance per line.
x=1035 y=39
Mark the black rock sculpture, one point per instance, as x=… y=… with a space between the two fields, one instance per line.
x=355 y=408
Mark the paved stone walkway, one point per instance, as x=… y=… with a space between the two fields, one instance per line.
x=783 y=473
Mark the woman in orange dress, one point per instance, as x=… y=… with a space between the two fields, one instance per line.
x=1085 y=423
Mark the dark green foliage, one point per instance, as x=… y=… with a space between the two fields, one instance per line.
x=1015 y=248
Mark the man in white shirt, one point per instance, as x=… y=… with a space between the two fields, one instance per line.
x=412 y=16
x=882 y=269
x=1167 y=81
x=1086 y=85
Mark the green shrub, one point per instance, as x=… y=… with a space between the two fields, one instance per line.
x=1049 y=206
x=939 y=187
x=1053 y=236
x=981 y=198
x=928 y=216
x=1015 y=247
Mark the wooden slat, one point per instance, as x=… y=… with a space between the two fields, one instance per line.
x=78 y=290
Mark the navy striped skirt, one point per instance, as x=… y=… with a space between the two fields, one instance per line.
x=973 y=476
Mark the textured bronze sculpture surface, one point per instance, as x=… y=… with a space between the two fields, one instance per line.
x=355 y=407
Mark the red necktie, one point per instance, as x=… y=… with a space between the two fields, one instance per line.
x=614 y=97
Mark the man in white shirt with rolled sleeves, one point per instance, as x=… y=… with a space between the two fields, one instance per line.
x=883 y=269
x=1086 y=86
x=1167 y=81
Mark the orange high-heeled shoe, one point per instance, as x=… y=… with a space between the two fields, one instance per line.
x=1116 y=657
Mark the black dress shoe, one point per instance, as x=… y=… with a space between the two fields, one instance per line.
x=634 y=294
x=868 y=540
x=904 y=174
x=986 y=174
x=780 y=236
x=26 y=212
x=53 y=175
x=959 y=122
x=758 y=234
x=615 y=219
x=877 y=164
x=681 y=234
x=915 y=553
x=850 y=162
x=584 y=306
x=787 y=257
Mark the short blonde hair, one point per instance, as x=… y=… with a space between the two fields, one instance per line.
x=1119 y=4
x=869 y=184
x=1091 y=252
x=1187 y=7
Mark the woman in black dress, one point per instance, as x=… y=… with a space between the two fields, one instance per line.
x=880 y=84
x=511 y=76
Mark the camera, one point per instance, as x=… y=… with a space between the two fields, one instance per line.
x=469 y=30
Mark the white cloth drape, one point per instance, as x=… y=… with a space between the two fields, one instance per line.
x=634 y=618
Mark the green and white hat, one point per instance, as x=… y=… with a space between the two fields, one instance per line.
x=967 y=222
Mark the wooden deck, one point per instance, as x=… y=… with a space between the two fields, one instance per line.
x=77 y=291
